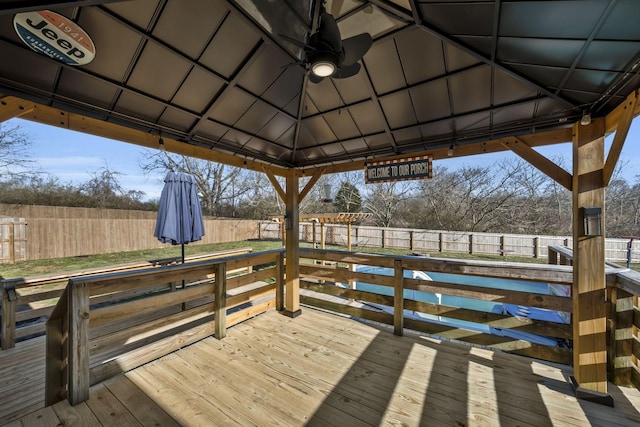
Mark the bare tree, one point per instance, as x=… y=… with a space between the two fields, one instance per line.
x=221 y=187
x=14 y=154
x=384 y=201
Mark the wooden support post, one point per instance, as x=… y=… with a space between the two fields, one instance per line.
x=398 y=298
x=536 y=247
x=349 y=236
x=8 y=316
x=78 y=342
x=280 y=282
x=220 y=302
x=410 y=239
x=589 y=285
x=292 y=245
x=471 y=244
x=552 y=256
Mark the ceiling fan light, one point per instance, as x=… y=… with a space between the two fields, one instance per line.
x=323 y=68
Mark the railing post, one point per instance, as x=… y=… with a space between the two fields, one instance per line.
x=471 y=244
x=536 y=247
x=280 y=282
x=79 y=382
x=621 y=338
x=220 y=303
x=9 y=298
x=398 y=298
x=57 y=349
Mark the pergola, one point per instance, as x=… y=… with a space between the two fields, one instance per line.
x=221 y=80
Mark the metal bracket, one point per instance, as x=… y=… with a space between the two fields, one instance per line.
x=12 y=295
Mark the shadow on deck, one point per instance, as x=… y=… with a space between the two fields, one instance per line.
x=318 y=369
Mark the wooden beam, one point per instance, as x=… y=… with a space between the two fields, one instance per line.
x=623 y=125
x=557 y=136
x=276 y=185
x=317 y=173
x=76 y=122
x=12 y=107
x=589 y=284
x=614 y=118
x=539 y=161
x=292 y=245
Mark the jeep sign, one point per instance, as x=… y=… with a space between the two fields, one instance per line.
x=55 y=36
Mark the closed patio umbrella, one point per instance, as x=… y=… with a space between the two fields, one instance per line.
x=179 y=213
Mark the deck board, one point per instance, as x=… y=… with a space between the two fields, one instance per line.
x=323 y=369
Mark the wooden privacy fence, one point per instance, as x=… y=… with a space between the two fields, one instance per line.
x=28 y=302
x=426 y=242
x=56 y=232
x=107 y=324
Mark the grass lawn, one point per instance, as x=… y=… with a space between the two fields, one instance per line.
x=61 y=265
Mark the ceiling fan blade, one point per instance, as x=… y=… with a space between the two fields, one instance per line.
x=328 y=33
x=347 y=71
x=355 y=48
x=315 y=79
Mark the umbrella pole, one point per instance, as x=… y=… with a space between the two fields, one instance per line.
x=183 y=284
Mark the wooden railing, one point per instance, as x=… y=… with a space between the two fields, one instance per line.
x=624 y=345
x=28 y=302
x=319 y=289
x=107 y=324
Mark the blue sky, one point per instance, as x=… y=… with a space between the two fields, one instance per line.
x=73 y=157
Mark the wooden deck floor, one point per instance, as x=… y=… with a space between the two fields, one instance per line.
x=321 y=369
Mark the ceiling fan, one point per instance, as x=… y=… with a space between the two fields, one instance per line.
x=327 y=55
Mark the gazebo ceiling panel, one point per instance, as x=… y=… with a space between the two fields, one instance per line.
x=158 y=72
x=398 y=109
x=426 y=64
x=256 y=117
x=608 y=55
x=342 y=124
x=197 y=90
x=276 y=129
x=224 y=57
x=231 y=106
x=555 y=53
x=188 y=29
x=140 y=13
x=471 y=90
x=564 y=19
x=384 y=66
x=174 y=118
x=431 y=100
x=138 y=107
x=319 y=129
x=220 y=74
x=367 y=117
x=86 y=88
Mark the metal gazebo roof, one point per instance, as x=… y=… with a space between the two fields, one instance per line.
x=217 y=75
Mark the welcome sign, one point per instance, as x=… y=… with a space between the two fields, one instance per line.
x=399 y=170
x=55 y=36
